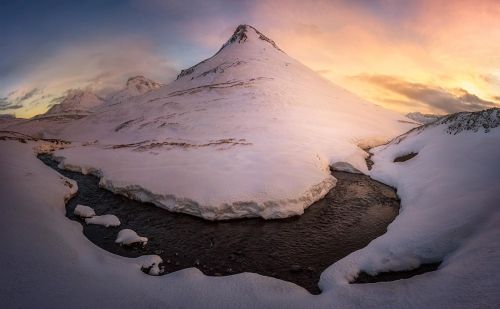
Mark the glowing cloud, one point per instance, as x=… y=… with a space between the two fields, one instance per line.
x=439 y=45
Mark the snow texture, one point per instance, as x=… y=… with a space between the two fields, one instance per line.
x=129 y=237
x=449 y=212
x=105 y=220
x=84 y=211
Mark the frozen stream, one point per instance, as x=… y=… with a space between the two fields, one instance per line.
x=296 y=249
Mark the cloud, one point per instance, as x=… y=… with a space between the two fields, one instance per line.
x=5 y=105
x=103 y=66
x=436 y=98
x=419 y=40
x=7 y=116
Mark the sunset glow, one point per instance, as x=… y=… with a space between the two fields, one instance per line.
x=409 y=56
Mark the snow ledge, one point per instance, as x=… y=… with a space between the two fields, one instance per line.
x=272 y=209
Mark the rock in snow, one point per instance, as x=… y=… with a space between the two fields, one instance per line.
x=249 y=132
x=151 y=263
x=106 y=220
x=129 y=237
x=84 y=211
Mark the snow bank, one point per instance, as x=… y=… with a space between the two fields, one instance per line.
x=47 y=261
x=449 y=209
x=84 y=211
x=105 y=220
x=128 y=237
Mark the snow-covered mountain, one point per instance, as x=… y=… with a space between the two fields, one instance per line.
x=77 y=101
x=77 y=104
x=135 y=86
x=247 y=132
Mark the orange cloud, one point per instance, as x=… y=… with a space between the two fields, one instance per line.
x=445 y=44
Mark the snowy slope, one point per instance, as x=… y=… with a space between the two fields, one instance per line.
x=450 y=212
x=248 y=132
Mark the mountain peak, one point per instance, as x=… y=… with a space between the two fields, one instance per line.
x=244 y=32
x=135 y=79
x=141 y=84
x=243 y=35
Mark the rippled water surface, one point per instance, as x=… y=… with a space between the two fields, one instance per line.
x=296 y=249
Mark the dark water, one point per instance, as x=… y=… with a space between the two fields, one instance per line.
x=296 y=249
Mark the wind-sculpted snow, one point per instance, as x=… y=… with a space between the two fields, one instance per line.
x=247 y=132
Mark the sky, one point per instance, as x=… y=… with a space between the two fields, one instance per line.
x=427 y=56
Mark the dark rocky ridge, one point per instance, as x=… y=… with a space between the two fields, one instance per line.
x=484 y=121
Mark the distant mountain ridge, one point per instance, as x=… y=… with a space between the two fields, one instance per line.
x=85 y=101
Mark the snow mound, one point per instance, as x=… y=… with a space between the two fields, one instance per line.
x=249 y=132
x=105 y=220
x=84 y=211
x=151 y=263
x=129 y=237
